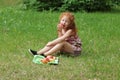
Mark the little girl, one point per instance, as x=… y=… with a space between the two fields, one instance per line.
x=67 y=41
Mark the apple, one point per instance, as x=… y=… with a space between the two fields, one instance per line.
x=45 y=60
x=61 y=25
x=50 y=57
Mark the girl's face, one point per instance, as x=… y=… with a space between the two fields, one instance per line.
x=65 y=21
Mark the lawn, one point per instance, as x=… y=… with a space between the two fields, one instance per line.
x=21 y=30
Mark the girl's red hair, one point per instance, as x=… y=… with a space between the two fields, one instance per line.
x=72 y=24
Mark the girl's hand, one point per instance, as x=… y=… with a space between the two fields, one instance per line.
x=60 y=26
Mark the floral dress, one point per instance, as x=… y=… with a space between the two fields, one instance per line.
x=75 y=42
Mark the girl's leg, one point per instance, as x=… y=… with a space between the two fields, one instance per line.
x=60 y=46
x=45 y=49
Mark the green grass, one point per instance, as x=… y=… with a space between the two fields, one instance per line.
x=6 y=3
x=21 y=30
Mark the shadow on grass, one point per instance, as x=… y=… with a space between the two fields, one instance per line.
x=116 y=10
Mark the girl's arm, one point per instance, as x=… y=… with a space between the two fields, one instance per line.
x=60 y=39
x=59 y=33
x=59 y=30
